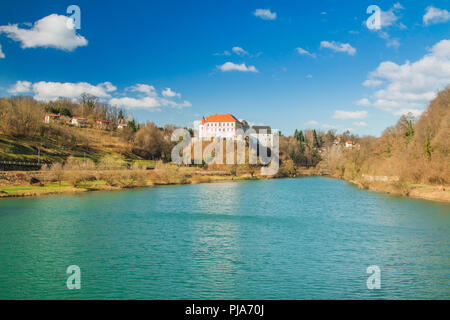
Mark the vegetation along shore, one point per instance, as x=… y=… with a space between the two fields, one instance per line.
x=410 y=158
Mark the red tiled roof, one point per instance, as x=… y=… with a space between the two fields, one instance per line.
x=221 y=118
x=53 y=115
x=203 y=120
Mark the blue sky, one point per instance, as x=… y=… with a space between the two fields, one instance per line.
x=295 y=64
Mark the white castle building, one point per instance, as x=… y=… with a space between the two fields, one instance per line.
x=226 y=126
x=219 y=125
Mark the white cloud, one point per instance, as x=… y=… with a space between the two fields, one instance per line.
x=108 y=86
x=149 y=90
x=338 y=47
x=312 y=123
x=405 y=111
x=390 y=42
x=53 y=90
x=302 y=51
x=21 y=87
x=309 y=76
x=329 y=126
x=225 y=53
x=364 y=102
x=360 y=124
x=147 y=97
x=169 y=93
x=341 y=114
x=146 y=103
x=239 y=51
x=372 y=83
x=51 y=31
x=413 y=84
x=265 y=14
x=230 y=66
x=323 y=13
x=151 y=100
x=2 y=55
x=389 y=17
x=435 y=15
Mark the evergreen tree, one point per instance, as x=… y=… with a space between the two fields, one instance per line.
x=316 y=140
x=410 y=130
x=301 y=137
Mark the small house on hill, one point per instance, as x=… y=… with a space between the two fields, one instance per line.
x=103 y=123
x=51 y=117
x=78 y=121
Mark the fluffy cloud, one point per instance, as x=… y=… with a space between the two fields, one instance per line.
x=265 y=14
x=364 y=102
x=169 y=93
x=230 y=66
x=410 y=86
x=151 y=100
x=388 y=18
x=146 y=103
x=312 y=122
x=145 y=96
x=435 y=15
x=372 y=83
x=51 y=31
x=53 y=90
x=239 y=51
x=21 y=87
x=143 y=88
x=304 y=52
x=2 y=55
x=338 y=47
x=340 y=114
x=360 y=124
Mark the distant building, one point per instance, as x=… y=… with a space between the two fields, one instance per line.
x=78 y=121
x=103 y=123
x=263 y=135
x=349 y=144
x=51 y=117
x=337 y=140
x=219 y=125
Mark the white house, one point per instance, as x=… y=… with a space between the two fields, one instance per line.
x=219 y=125
x=51 y=117
x=349 y=144
x=78 y=121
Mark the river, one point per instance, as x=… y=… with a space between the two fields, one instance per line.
x=305 y=238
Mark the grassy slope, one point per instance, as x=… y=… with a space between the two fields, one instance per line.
x=100 y=144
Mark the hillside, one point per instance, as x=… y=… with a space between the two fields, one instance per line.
x=408 y=156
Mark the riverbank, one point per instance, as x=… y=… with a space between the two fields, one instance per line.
x=411 y=190
x=169 y=175
x=29 y=184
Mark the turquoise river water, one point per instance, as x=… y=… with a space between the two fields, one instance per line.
x=306 y=238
